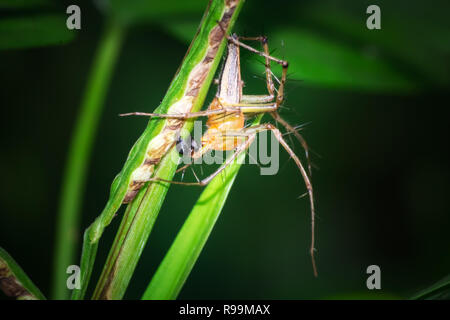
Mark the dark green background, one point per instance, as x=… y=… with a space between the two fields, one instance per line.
x=383 y=178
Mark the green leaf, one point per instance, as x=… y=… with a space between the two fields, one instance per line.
x=34 y=31
x=15 y=4
x=136 y=226
x=413 y=40
x=321 y=61
x=143 y=210
x=438 y=291
x=141 y=11
x=14 y=282
x=185 y=250
x=79 y=153
x=183 y=29
x=177 y=264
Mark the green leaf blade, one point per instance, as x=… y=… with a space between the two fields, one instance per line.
x=185 y=250
x=144 y=11
x=320 y=61
x=137 y=224
x=34 y=31
x=438 y=291
x=14 y=281
x=79 y=154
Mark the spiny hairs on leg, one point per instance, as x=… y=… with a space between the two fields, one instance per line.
x=279 y=137
x=297 y=135
x=307 y=178
x=309 y=187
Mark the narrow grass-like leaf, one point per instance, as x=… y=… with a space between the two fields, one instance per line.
x=411 y=42
x=177 y=264
x=132 y=236
x=185 y=250
x=79 y=153
x=141 y=11
x=321 y=61
x=138 y=220
x=438 y=291
x=21 y=4
x=182 y=29
x=14 y=282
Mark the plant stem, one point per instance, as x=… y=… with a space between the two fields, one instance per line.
x=130 y=240
x=138 y=221
x=79 y=154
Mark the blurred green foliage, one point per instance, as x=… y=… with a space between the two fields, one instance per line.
x=438 y=291
x=376 y=99
x=28 y=24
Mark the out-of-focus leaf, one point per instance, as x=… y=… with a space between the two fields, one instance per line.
x=412 y=35
x=182 y=29
x=438 y=291
x=319 y=60
x=139 y=11
x=34 y=31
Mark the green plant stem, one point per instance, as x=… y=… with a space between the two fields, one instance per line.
x=79 y=153
x=138 y=221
